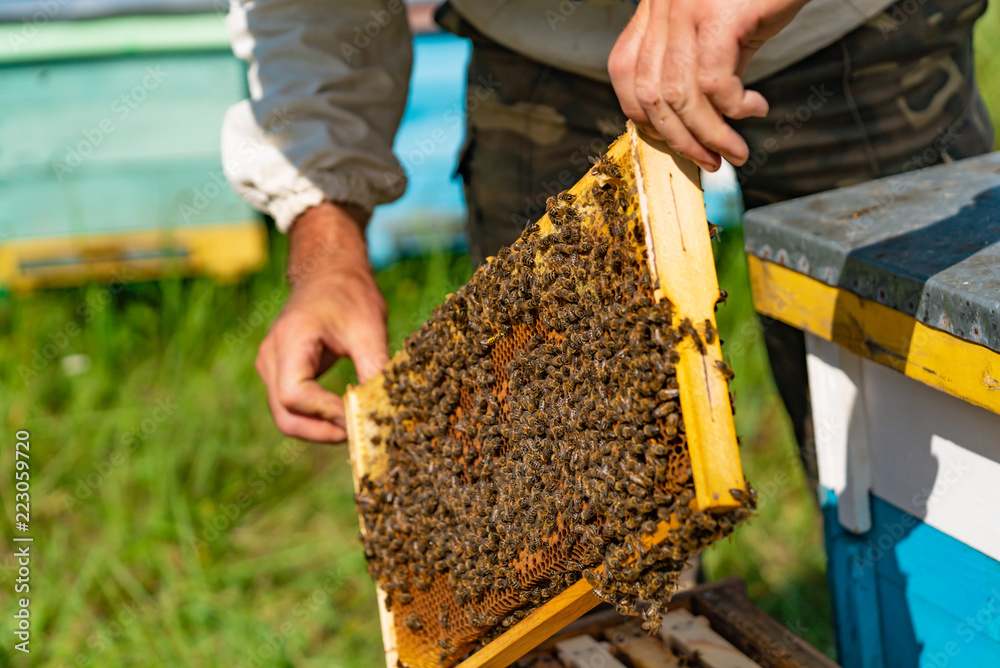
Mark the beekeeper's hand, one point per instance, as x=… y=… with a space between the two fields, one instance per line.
x=678 y=68
x=335 y=310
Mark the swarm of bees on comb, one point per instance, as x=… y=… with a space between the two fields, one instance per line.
x=533 y=436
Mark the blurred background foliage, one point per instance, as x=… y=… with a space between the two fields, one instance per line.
x=176 y=527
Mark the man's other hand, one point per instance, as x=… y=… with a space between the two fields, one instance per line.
x=335 y=310
x=678 y=67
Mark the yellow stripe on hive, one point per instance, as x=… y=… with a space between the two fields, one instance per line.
x=225 y=250
x=951 y=364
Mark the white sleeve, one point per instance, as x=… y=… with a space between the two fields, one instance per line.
x=328 y=83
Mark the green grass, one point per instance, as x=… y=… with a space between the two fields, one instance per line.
x=174 y=526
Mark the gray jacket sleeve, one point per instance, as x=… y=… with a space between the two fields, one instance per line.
x=328 y=83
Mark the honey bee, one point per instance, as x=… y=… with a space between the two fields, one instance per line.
x=687 y=329
x=667 y=394
x=413 y=622
x=710 y=332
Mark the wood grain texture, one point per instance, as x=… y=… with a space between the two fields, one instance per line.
x=762 y=638
x=552 y=616
x=642 y=649
x=917 y=601
x=844 y=448
x=585 y=652
x=368 y=460
x=693 y=634
x=732 y=615
x=673 y=211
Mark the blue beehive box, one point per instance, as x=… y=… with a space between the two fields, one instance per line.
x=897 y=286
x=109 y=148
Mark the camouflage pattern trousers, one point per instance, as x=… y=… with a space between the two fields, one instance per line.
x=896 y=94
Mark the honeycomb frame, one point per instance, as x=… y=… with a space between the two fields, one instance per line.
x=668 y=200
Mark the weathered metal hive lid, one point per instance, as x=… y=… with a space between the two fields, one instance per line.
x=925 y=243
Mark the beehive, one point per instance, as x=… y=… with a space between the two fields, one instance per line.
x=530 y=434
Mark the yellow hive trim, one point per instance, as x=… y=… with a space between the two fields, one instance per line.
x=224 y=250
x=961 y=368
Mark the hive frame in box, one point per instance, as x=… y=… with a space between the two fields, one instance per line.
x=732 y=615
x=682 y=266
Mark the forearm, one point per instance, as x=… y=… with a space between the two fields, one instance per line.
x=327 y=236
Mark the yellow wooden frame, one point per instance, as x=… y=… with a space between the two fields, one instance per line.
x=672 y=209
x=959 y=367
